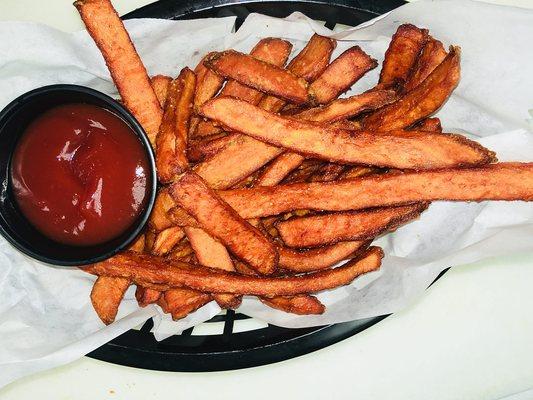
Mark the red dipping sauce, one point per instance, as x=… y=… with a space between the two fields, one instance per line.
x=80 y=174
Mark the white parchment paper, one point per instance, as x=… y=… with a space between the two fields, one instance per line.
x=46 y=318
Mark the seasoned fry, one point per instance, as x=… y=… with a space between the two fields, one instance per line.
x=146 y=296
x=402 y=54
x=270 y=50
x=300 y=304
x=160 y=273
x=349 y=107
x=160 y=85
x=341 y=74
x=233 y=163
x=180 y=302
x=278 y=169
x=213 y=254
x=159 y=219
x=166 y=240
x=106 y=295
x=311 y=62
x=398 y=149
x=432 y=54
x=422 y=101
x=223 y=223
x=208 y=148
x=259 y=75
x=316 y=259
x=318 y=230
x=126 y=68
x=208 y=85
x=454 y=184
x=429 y=125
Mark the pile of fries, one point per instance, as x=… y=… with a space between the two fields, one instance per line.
x=268 y=179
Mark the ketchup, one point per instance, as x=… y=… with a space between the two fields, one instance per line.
x=80 y=174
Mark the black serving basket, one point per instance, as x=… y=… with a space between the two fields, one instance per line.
x=235 y=340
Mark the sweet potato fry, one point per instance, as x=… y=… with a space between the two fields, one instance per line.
x=180 y=217
x=146 y=296
x=300 y=304
x=318 y=230
x=432 y=54
x=341 y=74
x=327 y=173
x=429 y=125
x=454 y=184
x=138 y=244
x=166 y=240
x=422 y=101
x=106 y=295
x=402 y=54
x=149 y=240
x=160 y=273
x=208 y=84
x=270 y=50
x=160 y=85
x=349 y=107
x=234 y=163
x=311 y=62
x=180 y=302
x=181 y=251
x=126 y=68
x=211 y=253
x=259 y=75
x=159 y=219
x=204 y=149
x=357 y=172
x=220 y=221
x=398 y=149
x=279 y=168
x=338 y=109
x=316 y=259
x=205 y=128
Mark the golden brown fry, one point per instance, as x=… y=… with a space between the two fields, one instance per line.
x=397 y=149
x=126 y=68
x=106 y=295
x=234 y=162
x=160 y=85
x=173 y=133
x=454 y=184
x=422 y=101
x=432 y=54
x=349 y=107
x=318 y=230
x=341 y=74
x=279 y=168
x=166 y=240
x=300 y=304
x=159 y=219
x=146 y=296
x=429 y=125
x=204 y=149
x=211 y=253
x=311 y=62
x=402 y=54
x=160 y=273
x=259 y=75
x=320 y=258
x=180 y=302
x=270 y=50
x=223 y=223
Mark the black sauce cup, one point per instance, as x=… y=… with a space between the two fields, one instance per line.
x=13 y=224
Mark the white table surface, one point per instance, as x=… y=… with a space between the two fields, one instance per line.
x=469 y=337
